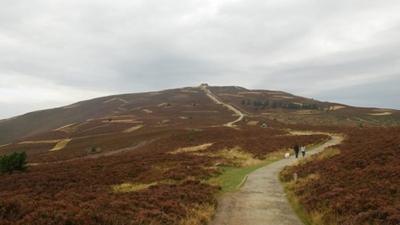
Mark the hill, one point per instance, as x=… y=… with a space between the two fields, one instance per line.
x=163 y=157
x=155 y=107
x=124 y=121
x=292 y=109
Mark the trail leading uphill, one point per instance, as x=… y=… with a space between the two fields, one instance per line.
x=230 y=107
x=262 y=200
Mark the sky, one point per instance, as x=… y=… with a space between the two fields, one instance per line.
x=57 y=52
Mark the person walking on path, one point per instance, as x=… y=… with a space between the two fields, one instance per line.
x=303 y=150
x=296 y=149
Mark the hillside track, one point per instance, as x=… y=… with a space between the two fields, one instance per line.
x=98 y=155
x=214 y=98
x=262 y=200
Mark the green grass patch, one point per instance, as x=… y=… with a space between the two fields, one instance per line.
x=232 y=177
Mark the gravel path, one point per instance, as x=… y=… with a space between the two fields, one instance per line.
x=214 y=98
x=262 y=200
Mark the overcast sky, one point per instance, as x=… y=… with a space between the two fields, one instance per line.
x=56 y=52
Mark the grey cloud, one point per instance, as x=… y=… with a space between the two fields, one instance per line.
x=106 y=47
x=383 y=93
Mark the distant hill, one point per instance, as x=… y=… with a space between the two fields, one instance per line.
x=292 y=109
x=180 y=106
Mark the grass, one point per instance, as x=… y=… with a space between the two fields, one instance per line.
x=232 y=177
x=134 y=128
x=60 y=145
x=297 y=207
x=237 y=157
x=199 y=215
x=326 y=154
x=308 y=218
x=131 y=187
x=192 y=148
x=39 y=142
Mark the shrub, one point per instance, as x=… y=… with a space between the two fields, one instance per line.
x=14 y=161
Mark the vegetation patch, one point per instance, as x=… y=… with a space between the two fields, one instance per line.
x=192 y=148
x=336 y=107
x=147 y=111
x=381 y=114
x=67 y=128
x=121 y=121
x=132 y=129
x=15 y=161
x=357 y=185
x=60 y=145
x=131 y=187
x=253 y=123
x=326 y=154
x=39 y=142
x=199 y=215
x=232 y=177
x=237 y=157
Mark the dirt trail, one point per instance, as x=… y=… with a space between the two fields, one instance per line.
x=262 y=200
x=230 y=107
x=98 y=155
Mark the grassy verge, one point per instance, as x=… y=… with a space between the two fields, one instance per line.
x=233 y=177
x=290 y=186
x=294 y=202
x=308 y=218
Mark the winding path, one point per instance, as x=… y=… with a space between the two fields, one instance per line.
x=214 y=98
x=98 y=155
x=262 y=200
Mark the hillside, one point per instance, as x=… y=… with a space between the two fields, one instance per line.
x=155 y=107
x=164 y=157
x=356 y=182
x=291 y=109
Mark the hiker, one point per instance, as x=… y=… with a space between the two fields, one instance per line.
x=296 y=149
x=303 y=151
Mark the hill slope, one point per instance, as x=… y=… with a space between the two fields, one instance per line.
x=192 y=102
x=161 y=157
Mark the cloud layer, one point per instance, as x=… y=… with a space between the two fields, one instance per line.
x=55 y=52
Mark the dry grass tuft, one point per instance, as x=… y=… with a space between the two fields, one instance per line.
x=381 y=114
x=39 y=142
x=121 y=121
x=134 y=128
x=336 y=107
x=252 y=123
x=238 y=157
x=67 y=128
x=60 y=145
x=326 y=154
x=192 y=148
x=199 y=215
x=116 y=99
x=131 y=187
x=147 y=111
